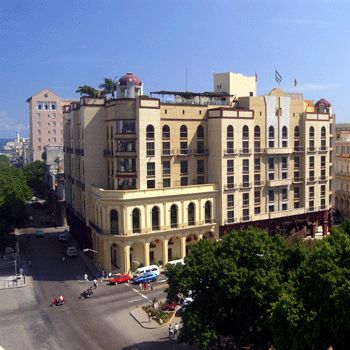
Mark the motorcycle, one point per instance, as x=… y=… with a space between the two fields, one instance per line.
x=58 y=301
x=86 y=294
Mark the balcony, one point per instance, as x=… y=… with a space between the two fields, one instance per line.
x=201 y=152
x=230 y=152
x=167 y=152
x=230 y=187
x=312 y=149
x=244 y=185
x=246 y=218
x=245 y=151
x=311 y=179
x=258 y=183
x=322 y=178
x=259 y=150
x=298 y=179
x=311 y=209
x=184 y=152
x=278 y=150
x=322 y=207
x=298 y=149
x=323 y=149
x=279 y=182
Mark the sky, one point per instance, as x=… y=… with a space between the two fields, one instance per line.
x=63 y=44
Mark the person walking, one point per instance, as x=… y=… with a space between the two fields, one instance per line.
x=176 y=329
x=95 y=283
x=86 y=277
x=171 y=332
x=140 y=286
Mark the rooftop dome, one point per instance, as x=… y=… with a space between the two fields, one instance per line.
x=323 y=102
x=129 y=78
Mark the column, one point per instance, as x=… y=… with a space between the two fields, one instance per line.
x=146 y=253
x=126 y=260
x=125 y=227
x=325 y=229
x=183 y=247
x=165 y=252
x=313 y=230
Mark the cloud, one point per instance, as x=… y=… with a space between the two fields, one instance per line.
x=7 y=123
x=315 y=87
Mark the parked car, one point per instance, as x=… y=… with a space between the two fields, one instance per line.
x=62 y=237
x=145 y=278
x=151 y=268
x=39 y=233
x=170 y=305
x=72 y=251
x=120 y=278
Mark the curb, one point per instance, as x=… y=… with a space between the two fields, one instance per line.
x=151 y=327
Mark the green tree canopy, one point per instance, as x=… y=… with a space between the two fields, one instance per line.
x=109 y=86
x=35 y=175
x=89 y=91
x=4 y=161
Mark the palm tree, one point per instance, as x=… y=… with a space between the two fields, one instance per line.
x=87 y=90
x=109 y=86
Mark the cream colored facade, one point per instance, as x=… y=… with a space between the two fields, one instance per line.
x=342 y=169
x=149 y=179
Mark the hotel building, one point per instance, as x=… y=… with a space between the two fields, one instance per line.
x=147 y=177
x=342 y=169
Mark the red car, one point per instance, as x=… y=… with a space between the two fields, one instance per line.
x=170 y=305
x=120 y=278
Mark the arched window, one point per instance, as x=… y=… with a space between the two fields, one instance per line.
x=323 y=132
x=257 y=132
x=245 y=132
x=173 y=216
x=284 y=132
x=311 y=132
x=150 y=132
x=155 y=218
x=166 y=132
x=136 y=220
x=200 y=132
x=191 y=214
x=207 y=209
x=296 y=132
x=271 y=132
x=183 y=131
x=229 y=132
x=114 y=222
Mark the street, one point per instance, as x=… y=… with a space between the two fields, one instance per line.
x=103 y=322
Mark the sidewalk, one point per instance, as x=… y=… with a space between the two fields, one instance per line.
x=93 y=270
x=13 y=282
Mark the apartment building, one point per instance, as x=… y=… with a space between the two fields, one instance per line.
x=45 y=122
x=342 y=169
x=147 y=177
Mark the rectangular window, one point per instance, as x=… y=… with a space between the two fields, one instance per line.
x=230 y=181
x=151 y=184
x=245 y=180
x=200 y=166
x=245 y=165
x=311 y=192
x=312 y=162
x=229 y=146
x=257 y=197
x=271 y=196
x=230 y=201
x=151 y=169
x=284 y=161
x=166 y=168
x=200 y=180
x=166 y=182
x=296 y=193
x=256 y=210
x=183 y=167
x=246 y=214
x=296 y=162
x=271 y=164
x=184 y=181
x=271 y=208
x=323 y=161
x=230 y=166
x=284 y=193
x=284 y=206
x=256 y=164
x=257 y=180
x=230 y=216
x=150 y=149
x=183 y=148
x=166 y=149
x=245 y=198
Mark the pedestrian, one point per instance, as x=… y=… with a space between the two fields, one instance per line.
x=109 y=274
x=145 y=286
x=95 y=283
x=151 y=285
x=63 y=258
x=86 y=277
x=29 y=263
x=103 y=273
x=149 y=317
x=171 y=332
x=176 y=329
x=141 y=286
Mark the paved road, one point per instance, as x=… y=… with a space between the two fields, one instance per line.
x=103 y=322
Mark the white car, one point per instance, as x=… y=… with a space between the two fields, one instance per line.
x=72 y=251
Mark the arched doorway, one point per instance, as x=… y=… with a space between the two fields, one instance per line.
x=156 y=252
x=174 y=248
x=116 y=257
x=209 y=236
x=190 y=240
x=137 y=254
x=114 y=222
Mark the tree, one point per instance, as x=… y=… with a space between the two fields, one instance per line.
x=4 y=161
x=14 y=193
x=109 y=86
x=313 y=310
x=241 y=275
x=35 y=174
x=89 y=91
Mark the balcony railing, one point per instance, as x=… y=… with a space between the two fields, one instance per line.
x=167 y=152
x=259 y=150
x=230 y=151
x=245 y=151
x=245 y=185
x=311 y=209
x=258 y=183
x=201 y=152
x=323 y=149
x=229 y=187
x=298 y=179
x=298 y=149
x=246 y=218
x=312 y=149
x=322 y=178
x=311 y=179
x=322 y=207
x=230 y=221
x=184 y=152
